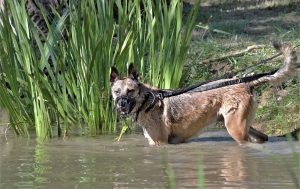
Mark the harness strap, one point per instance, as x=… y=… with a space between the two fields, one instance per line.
x=143 y=104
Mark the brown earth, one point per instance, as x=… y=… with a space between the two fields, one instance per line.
x=263 y=18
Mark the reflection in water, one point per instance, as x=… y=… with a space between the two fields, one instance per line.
x=40 y=168
x=99 y=162
x=235 y=168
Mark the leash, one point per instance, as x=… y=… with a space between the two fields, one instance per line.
x=233 y=82
x=161 y=94
x=168 y=93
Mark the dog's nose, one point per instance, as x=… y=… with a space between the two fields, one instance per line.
x=123 y=104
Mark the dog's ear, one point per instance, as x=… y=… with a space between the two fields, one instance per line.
x=132 y=73
x=114 y=75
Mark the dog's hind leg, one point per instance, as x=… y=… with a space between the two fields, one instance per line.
x=238 y=119
x=237 y=128
x=257 y=136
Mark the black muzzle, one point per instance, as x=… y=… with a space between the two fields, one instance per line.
x=125 y=105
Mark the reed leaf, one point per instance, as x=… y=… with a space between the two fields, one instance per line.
x=76 y=90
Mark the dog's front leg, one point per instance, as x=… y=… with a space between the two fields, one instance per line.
x=155 y=136
x=147 y=136
x=174 y=139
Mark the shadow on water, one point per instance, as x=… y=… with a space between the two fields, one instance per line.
x=100 y=162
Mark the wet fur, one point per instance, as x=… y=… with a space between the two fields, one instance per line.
x=179 y=118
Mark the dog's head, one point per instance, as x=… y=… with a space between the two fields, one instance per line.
x=125 y=91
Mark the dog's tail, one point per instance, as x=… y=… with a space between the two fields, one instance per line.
x=287 y=71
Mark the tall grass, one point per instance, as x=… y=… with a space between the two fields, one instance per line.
x=168 y=43
x=77 y=91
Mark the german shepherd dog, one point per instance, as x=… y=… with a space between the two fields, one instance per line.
x=179 y=118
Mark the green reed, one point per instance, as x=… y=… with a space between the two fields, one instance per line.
x=81 y=47
x=168 y=42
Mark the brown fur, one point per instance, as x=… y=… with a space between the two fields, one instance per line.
x=179 y=118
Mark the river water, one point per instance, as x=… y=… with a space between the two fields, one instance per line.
x=101 y=162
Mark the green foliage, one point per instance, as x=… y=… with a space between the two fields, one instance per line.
x=275 y=113
x=77 y=91
x=168 y=46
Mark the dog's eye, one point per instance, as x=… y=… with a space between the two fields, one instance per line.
x=117 y=91
x=130 y=91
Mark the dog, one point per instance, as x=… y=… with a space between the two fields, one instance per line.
x=178 y=118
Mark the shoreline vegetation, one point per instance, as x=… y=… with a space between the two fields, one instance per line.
x=56 y=74
x=62 y=78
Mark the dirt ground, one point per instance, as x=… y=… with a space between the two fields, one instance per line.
x=261 y=19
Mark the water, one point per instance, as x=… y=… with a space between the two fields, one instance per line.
x=101 y=162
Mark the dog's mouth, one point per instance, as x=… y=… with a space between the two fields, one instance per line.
x=125 y=105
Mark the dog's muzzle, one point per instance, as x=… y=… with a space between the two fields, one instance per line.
x=125 y=105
